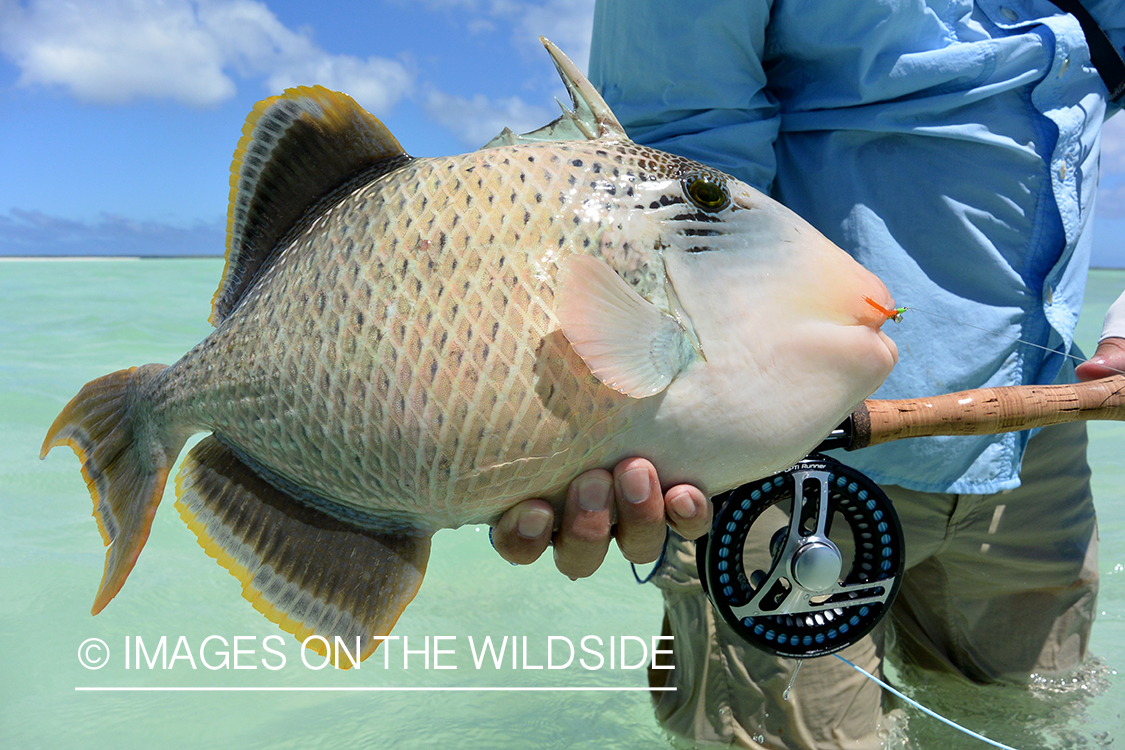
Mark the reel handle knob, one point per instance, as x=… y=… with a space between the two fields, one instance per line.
x=817 y=565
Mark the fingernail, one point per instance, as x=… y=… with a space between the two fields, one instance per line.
x=682 y=504
x=635 y=485
x=594 y=493
x=532 y=524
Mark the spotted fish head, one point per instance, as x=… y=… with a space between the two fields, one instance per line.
x=735 y=280
x=752 y=276
x=757 y=332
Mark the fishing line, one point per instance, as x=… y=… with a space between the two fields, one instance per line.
x=922 y=708
x=830 y=572
x=900 y=310
x=896 y=315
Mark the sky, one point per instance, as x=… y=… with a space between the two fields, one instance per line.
x=118 y=118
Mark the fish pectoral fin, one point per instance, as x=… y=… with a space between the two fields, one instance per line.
x=627 y=342
x=308 y=572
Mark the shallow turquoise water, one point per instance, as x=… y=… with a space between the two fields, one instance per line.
x=65 y=322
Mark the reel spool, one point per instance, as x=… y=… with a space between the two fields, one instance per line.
x=823 y=566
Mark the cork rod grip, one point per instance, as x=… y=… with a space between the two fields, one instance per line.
x=986 y=411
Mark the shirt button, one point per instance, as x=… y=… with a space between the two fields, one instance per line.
x=1008 y=13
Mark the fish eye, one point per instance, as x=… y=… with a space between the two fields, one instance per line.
x=706 y=193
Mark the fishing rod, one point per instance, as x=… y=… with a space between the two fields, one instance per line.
x=981 y=411
x=814 y=590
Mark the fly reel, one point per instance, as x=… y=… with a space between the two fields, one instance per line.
x=806 y=562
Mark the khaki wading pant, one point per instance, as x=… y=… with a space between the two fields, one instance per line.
x=997 y=587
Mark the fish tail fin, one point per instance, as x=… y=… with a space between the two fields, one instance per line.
x=333 y=585
x=125 y=462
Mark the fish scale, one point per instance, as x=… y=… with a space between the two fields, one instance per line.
x=464 y=282
x=404 y=345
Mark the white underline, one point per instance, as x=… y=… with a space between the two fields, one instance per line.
x=369 y=689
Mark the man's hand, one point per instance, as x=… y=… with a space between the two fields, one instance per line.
x=1108 y=360
x=643 y=514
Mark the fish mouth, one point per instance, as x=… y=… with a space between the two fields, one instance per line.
x=892 y=347
x=883 y=311
x=877 y=311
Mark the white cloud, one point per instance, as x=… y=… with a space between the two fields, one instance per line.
x=1113 y=146
x=567 y=23
x=190 y=51
x=33 y=233
x=1111 y=199
x=1111 y=188
x=476 y=121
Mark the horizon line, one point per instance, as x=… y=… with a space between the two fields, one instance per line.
x=209 y=256
x=490 y=689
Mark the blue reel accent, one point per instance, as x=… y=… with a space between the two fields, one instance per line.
x=783 y=600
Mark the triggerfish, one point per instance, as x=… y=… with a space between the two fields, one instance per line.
x=408 y=344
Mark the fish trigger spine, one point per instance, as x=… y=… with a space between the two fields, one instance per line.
x=125 y=459
x=588 y=119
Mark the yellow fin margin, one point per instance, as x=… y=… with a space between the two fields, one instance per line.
x=295 y=149
x=110 y=427
x=336 y=580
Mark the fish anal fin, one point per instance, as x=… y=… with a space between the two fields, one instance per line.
x=304 y=570
x=627 y=342
x=295 y=149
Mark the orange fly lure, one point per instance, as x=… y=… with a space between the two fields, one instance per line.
x=892 y=314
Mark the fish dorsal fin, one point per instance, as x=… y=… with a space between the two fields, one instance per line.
x=627 y=342
x=590 y=119
x=295 y=149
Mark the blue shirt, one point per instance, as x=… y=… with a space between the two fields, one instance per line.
x=951 y=147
